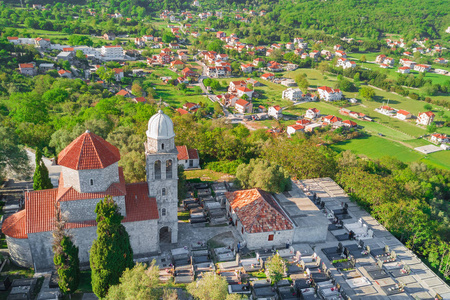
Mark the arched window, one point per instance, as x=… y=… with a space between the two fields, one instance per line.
x=169 y=168
x=163 y=212
x=162 y=146
x=92 y=181
x=157 y=169
x=163 y=192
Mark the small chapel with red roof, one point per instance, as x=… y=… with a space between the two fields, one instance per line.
x=89 y=173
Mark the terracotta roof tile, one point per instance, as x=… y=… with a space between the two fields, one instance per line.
x=258 y=211
x=14 y=225
x=88 y=151
x=138 y=204
x=193 y=153
x=182 y=153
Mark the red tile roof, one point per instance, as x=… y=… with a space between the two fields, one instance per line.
x=403 y=112
x=140 y=99
x=26 y=66
x=277 y=107
x=242 y=102
x=138 y=204
x=258 y=211
x=184 y=153
x=182 y=111
x=88 y=151
x=14 y=225
x=428 y=113
x=244 y=89
x=297 y=127
x=12 y=38
x=351 y=123
x=122 y=93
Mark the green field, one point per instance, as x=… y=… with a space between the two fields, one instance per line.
x=375 y=147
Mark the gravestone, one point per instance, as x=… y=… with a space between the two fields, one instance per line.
x=339 y=248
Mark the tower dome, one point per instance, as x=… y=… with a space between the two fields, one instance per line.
x=160 y=126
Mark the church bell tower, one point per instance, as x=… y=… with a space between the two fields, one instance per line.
x=162 y=174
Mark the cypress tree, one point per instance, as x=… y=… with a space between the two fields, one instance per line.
x=65 y=257
x=41 y=180
x=111 y=252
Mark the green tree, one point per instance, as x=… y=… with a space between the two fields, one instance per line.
x=275 y=268
x=105 y=74
x=13 y=157
x=262 y=174
x=80 y=55
x=111 y=252
x=65 y=257
x=209 y=287
x=367 y=92
x=139 y=282
x=427 y=106
x=431 y=128
x=303 y=84
x=363 y=58
x=41 y=180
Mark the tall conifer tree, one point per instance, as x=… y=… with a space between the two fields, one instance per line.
x=111 y=252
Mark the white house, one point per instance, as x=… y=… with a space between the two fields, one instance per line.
x=292 y=94
x=118 y=74
x=345 y=63
x=329 y=94
x=247 y=68
x=243 y=106
x=439 y=138
x=188 y=158
x=422 y=68
x=275 y=112
x=65 y=74
x=403 y=114
x=404 y=70
x=425 y=118
x=292 y=129
x=243 y=90
x=111 y=52
x=312 y=113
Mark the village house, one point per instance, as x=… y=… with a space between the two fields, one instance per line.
x=187 y=72
x=345 y=63
x=329 y=94
x=227 y=99
x=315 y=54
x=425 y=118
x=253 y=82
x=124 y=93
x=389 y=61
x=312 y=113
x=349 y=123
x=330 y=119
x=258 y=218
x=240 y=88
x=188 y=158
x=162 y=58
x=247 y=68
x=407 y=62
x=112 y=52
x=404 y=70
x=438 y=138
x=191 y=107
x=182 y=111
x=292 y=129
x=243 y=106
x=118 y=73
x=441 y=60
x=109 y=36
x=275 y=112
x=340 y=53
x=403 y=114
x=177 y=64
x=42 y=43
x=174 y=46
x=273 y=66
x=337 y=47
x=45 y=67
x=380 y=58
x=27 y=69
x=258 y=60
x=268 y=76
x=293 y=94
x=65 y=74
x=422 y=68
x=139 y=99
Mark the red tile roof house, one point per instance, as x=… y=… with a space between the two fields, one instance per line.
x=188 y=158
x=89 y=173
x=259 y=219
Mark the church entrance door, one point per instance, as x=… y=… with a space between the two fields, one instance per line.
x=165 y=235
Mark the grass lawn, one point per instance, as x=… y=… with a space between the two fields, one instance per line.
x=376 y=147
x=439 y=159
x=206 y=175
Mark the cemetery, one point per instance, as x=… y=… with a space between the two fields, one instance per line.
x=357 y=259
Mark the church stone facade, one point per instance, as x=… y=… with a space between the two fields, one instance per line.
x=90 y=172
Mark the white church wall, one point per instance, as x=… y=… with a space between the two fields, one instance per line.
x=19 y=251
x=143 y=236
x=84 y=210
x=81 y=180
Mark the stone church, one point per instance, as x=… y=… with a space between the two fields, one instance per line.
x=90 y=172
